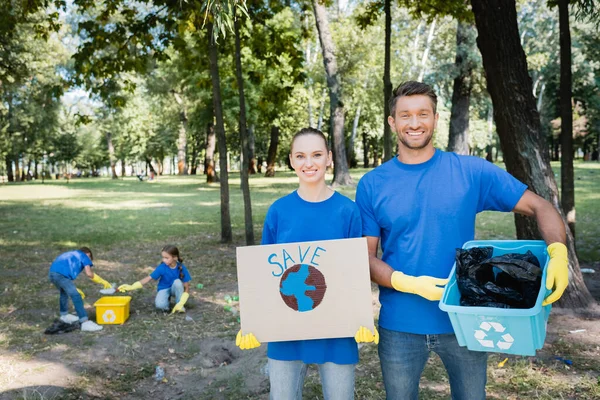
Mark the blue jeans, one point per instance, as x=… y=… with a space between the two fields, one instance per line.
x=287 y=380
x=403 y=357
x=67 y=289
x=162 y=297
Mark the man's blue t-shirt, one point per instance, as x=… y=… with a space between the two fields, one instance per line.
x=422 y=213
x=291 y=219
x=166 y=275
x=71 y=263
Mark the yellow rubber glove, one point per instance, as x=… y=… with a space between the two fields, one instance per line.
x=81 y=293
x=365 y=335
x=97 y=279
x=425 y=286
x=247 y=341
x=128 y=288
x=178 y=307
x=557 y=276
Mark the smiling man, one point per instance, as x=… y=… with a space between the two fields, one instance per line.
x=422 y=204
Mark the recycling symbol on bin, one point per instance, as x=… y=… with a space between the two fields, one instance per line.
x=109 y=316
x=491 y=328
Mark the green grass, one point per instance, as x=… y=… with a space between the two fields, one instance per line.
x=126 y=222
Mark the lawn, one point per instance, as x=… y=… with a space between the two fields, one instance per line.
x=126 y=222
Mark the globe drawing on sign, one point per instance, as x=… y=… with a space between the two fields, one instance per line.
x=302 y=287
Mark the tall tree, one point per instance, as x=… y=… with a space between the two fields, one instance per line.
x=226 y=234
x=245 y=148
x=272 y=154
x=518 y=123
x=388 y=140
x=341 y=174
x=458 y=140
x=567 y=174
x=182 y=167
x=209 y=161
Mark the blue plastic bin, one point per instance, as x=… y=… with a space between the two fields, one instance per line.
x=500 y=330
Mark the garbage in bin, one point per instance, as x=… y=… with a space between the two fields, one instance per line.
x=507 y=281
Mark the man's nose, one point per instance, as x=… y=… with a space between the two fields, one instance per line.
x=413 y=122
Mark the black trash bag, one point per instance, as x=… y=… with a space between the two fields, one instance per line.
x=59 y=327
x=516 y=285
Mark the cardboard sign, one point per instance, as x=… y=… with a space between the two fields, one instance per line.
x=307 y=290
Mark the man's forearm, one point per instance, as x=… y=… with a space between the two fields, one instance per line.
x=550 y=224
x=381 y=273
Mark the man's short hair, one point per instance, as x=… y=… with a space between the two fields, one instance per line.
x=87 y=251
x=412 y=88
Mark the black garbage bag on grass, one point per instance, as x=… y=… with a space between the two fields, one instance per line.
x=507 y=281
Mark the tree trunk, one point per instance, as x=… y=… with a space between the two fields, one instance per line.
x=9 y=168
x=321 y=110
x=388 y=140
x=245 y=150
x=518 y=124
x=458 y=141
x=426 y=51
x=351 y=153
x=272 y=155
x=182 y=168
x=365 y=142
x=341 y=175
x=226 y=234
x=122 y=168
x=567 y=175
x=252 y=150
x=194 y=158
x=111 y=155
x=17 y=169
x=209 y=161
x=28 y=174
x=149 y=165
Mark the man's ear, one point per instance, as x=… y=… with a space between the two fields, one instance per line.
x=391 y=123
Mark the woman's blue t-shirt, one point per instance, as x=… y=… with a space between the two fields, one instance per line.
x=291 y=219
x=166 y=275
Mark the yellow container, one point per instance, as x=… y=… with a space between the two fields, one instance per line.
x=112 y=310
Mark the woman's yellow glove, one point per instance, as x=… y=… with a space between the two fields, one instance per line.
x=97 y=279
x=178 y=307
x=129 y=288
x=247 y=341
x=81 y=293
x=365 y=335
x=425 y=286
x=557 y=276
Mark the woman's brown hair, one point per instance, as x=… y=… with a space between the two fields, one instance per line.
x=174 y=252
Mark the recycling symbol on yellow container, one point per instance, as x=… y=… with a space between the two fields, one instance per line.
x=493 y=328
x=109 y=316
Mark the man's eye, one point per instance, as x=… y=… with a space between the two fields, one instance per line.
x=424 y=115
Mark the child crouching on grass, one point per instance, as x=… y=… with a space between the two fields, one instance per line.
x=173 y=280
x=63 y=272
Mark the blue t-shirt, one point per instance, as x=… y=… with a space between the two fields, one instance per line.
x=71 y=263
x=291 y=219
x=422 y=213
x=166 y=275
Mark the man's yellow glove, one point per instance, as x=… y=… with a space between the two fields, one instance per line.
x=178 y=307
x=247 y=341
x=97 y=279
x=425 y=286
x=128 y=288
x=81 y=293
x=365 y=335
x=557 y=276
